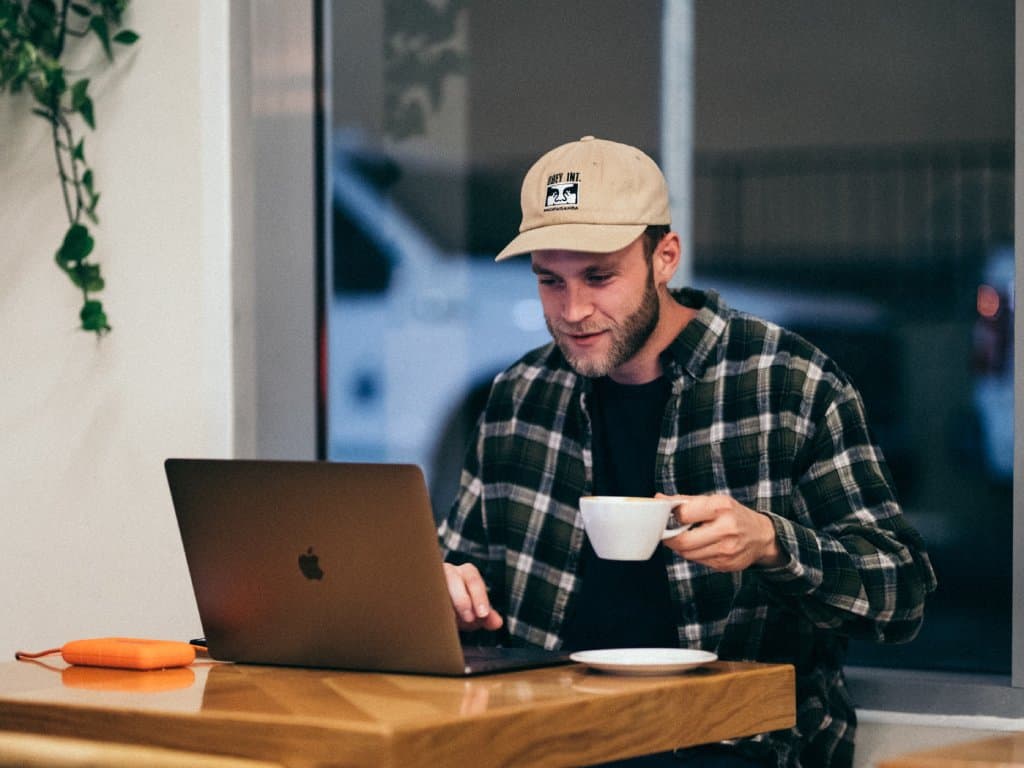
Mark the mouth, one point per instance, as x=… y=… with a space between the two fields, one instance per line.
x=585 y=339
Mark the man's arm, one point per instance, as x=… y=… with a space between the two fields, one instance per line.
x=855 y=564
x=463 y=539
x=845 y=557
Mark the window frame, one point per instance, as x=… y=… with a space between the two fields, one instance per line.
x=1017 y=636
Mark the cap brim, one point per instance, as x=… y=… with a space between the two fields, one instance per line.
x=589 y=238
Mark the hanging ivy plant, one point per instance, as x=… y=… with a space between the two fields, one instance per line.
x=33 y=41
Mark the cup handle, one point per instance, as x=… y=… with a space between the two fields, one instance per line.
x=670 y=533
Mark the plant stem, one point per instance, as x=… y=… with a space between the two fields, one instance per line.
x=63 y=25
x=60 y=169
x=79 y=204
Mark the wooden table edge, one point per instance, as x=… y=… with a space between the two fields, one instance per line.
x=279 y=737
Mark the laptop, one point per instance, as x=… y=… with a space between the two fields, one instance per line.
x=321 y=564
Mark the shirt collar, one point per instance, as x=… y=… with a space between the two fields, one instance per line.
x=691 y=351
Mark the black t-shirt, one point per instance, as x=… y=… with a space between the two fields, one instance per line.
x=623 y=604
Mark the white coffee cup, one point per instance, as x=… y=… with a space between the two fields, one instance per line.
x=628 y=527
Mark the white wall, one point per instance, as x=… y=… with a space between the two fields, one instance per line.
x=89 y=545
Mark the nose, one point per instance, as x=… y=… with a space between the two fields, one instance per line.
x=577 y=305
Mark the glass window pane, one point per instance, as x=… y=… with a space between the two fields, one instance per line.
x=854 y=166
x=852 y=181
x=438 y=110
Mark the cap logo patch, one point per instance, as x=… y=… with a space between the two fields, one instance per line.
x=563 y=191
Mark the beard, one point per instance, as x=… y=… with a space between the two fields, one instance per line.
x=627 y=337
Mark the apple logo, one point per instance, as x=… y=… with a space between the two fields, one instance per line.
x=309 y=564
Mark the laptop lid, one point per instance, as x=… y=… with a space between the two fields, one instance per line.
x=319 y=564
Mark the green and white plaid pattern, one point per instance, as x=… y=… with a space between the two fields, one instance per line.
x=757 y=413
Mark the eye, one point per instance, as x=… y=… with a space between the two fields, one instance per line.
x=548 y=281
x=599 y=278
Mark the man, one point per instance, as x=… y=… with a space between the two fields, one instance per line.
x=758 y=435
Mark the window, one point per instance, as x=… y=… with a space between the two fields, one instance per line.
x=852 y=178
x=436 y=118
x=857 y=162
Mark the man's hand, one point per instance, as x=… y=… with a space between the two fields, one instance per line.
x=469 y=598
x=726 y=535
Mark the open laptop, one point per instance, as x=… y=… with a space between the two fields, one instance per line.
x=322 y=564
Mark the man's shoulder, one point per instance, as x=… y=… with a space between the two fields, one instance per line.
x=745 y=341
x=722 y=333
x=757 y=332
x=752 y=342
x=743 y=331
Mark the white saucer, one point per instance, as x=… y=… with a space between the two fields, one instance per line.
x=644 y=661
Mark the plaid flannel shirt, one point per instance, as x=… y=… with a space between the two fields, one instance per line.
x=756 y=413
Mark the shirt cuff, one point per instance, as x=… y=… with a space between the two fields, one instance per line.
x=788 y=540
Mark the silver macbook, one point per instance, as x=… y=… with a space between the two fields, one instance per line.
x=321 y=564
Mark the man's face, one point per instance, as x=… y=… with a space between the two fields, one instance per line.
x=600 y=307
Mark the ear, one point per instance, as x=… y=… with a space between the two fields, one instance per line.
x=665 y=259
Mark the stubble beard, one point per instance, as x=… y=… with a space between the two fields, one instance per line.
x=627 y=338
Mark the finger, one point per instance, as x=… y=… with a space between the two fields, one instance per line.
x=701 y=533
x=698 y=549
x=458 y=590
x=479 y=598
x=701 y=509
x=683 y=544
x=470 y=599
x=492 y=621
x=698 y=541
x=716 y=546
x=681 y=497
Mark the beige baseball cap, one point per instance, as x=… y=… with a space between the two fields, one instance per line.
x=589 y=195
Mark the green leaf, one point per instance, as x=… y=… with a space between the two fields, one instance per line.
x=113 y=9
x=85 y=110
x=49 y=84
x=87 y=182
x=94 y=318
x=78 y=93
x=43 y=15
x=99 y=25
x=87 y=277
x=125 y=37
x=39 y=92
x=77 y=245
x=81 y=103
x=19 y=64
x=82 y=10
x=78 y=153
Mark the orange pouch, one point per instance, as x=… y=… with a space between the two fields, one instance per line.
x=128 y=653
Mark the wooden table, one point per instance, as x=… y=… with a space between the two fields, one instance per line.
x=564 y=715
x=997 y=752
